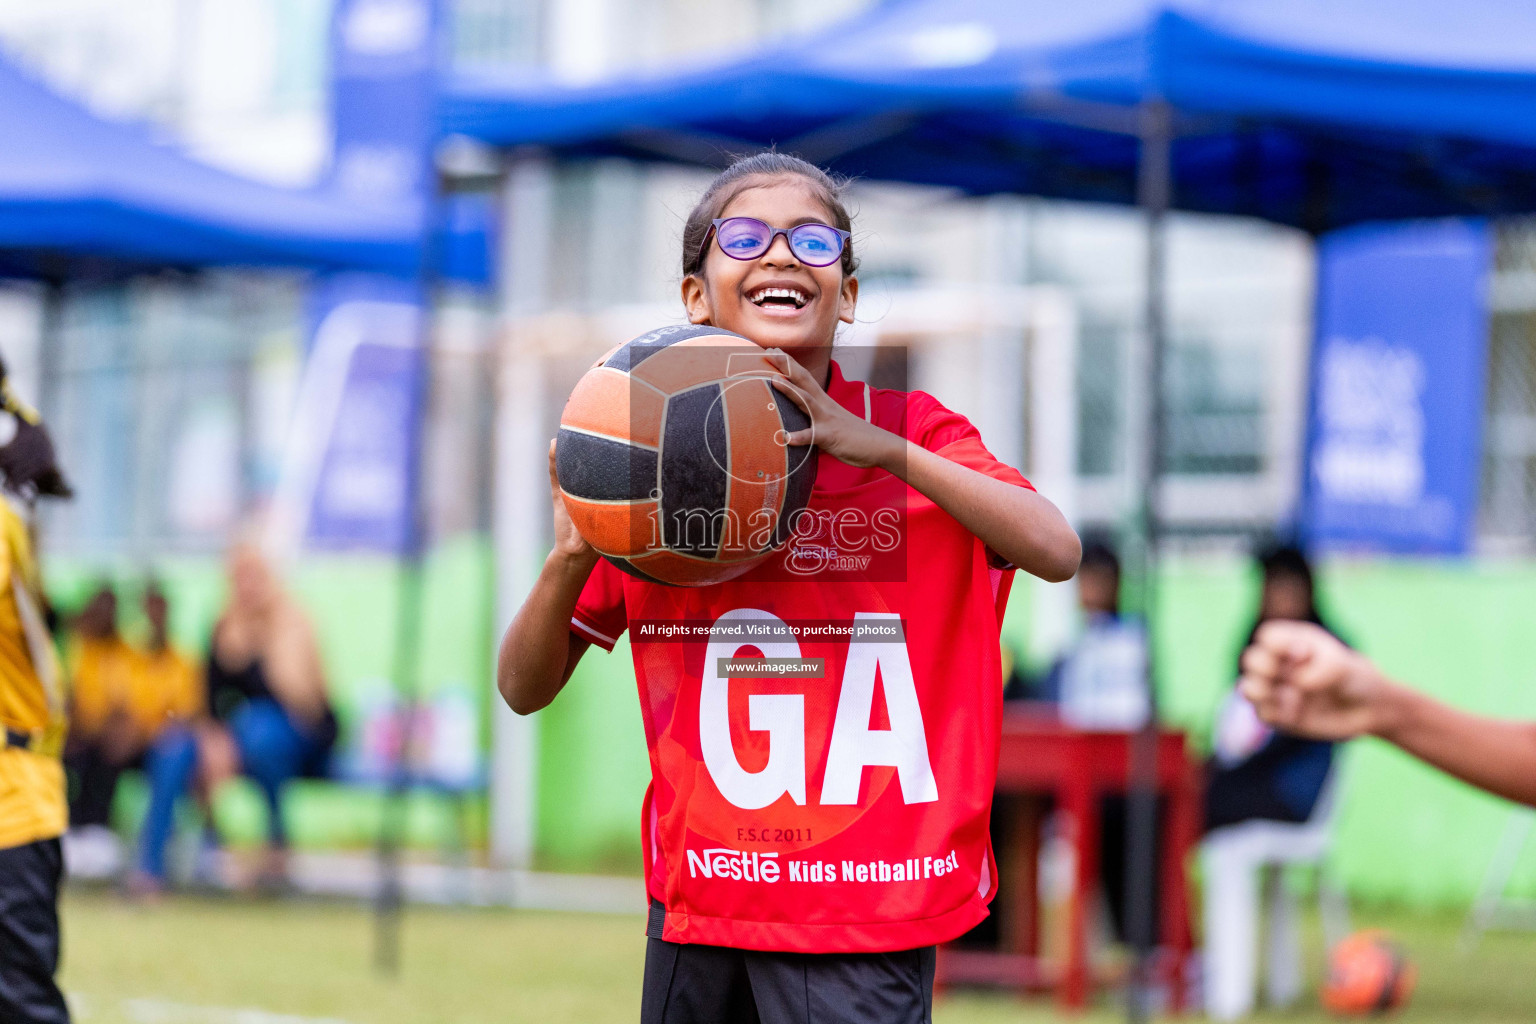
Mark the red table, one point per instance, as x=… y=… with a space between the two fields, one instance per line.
x=1042 y=757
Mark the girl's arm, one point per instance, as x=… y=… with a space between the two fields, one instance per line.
x=1301 y=679
x=1019 y=524
x=539 y=652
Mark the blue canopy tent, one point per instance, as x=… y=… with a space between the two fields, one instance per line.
x=81 y=194
x=1311 y=113
x=1304 y=112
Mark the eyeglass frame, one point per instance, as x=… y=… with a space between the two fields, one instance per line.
x=773 y=233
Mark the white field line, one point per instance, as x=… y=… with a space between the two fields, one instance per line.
x=357 y=876
x=162 y=1011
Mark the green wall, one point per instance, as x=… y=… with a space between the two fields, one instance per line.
x=353 y=600
x=593 y=767
x=1463 y=631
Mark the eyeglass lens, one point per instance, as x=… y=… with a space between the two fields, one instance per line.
x=745 y=238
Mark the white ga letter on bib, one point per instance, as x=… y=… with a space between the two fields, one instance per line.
x=854 y=745
x=781 y=715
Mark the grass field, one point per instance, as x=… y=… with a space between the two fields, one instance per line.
x=228 y=961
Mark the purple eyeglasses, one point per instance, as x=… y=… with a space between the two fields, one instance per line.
x=747 y=238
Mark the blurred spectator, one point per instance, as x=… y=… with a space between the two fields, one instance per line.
x=1264 y=808
x=269 y=716
x=104 y=736
x=170 y=682
x=124 y=698
x=1101 y=682
x=1257 y=772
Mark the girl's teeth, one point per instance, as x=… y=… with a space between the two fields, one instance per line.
x=765 y=294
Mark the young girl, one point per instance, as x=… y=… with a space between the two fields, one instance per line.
x=809 y=840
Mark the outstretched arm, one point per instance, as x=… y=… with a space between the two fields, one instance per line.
x=1303 y=680
x=1017 y=523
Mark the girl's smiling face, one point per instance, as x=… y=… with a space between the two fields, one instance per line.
x=729 y=293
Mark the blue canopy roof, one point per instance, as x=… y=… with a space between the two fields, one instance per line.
x=1315 y=113
x=79 y=191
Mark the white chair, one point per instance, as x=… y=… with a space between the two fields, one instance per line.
x=1495 y=907
x=1235 y=858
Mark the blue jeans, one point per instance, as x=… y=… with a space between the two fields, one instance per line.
x=272 y=750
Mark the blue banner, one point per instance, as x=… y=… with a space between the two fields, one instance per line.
x=384 y=91
x=362 y=392
x=1397 y=388
x=360 y=399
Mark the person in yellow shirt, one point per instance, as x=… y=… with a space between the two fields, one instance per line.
x=32 y=713
x=168 y=685
x=123 y=699
x=102 y=736
x=269 y=718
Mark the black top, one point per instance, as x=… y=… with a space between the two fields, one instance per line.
x=1281 y=781
x=228 y=690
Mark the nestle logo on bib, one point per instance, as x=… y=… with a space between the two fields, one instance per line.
x=857 y=542
x=733 y=864
x=741 y=866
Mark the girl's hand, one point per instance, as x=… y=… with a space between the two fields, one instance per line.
x=835 y=430
x=569 y=542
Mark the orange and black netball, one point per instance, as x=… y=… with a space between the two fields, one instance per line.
x=673 y=461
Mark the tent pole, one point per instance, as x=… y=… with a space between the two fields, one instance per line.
x=1154 y=187
x=389 y=898
x=50 y=352
x=520 y=515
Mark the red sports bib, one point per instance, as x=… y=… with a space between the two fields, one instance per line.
x=835 y=796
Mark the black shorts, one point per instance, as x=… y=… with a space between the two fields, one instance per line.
x=687 y=983
x=29 y=934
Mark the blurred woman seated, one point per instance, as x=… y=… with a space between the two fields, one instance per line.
x=269 y=717
x=1257 y=772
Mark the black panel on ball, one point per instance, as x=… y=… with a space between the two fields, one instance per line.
x=624 y=565
x=693 y=483
x=802 y=471
x=601 y=469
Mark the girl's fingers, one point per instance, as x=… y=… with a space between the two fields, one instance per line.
x=1284 y=706
x=796 y=437
x=793 y=393
x=1260 y=662
x=799 y=375
x=1255 y=688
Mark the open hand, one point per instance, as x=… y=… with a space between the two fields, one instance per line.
x=1303 y=680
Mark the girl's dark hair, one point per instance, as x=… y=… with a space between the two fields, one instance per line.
x=750 y=171
x=1280 y=559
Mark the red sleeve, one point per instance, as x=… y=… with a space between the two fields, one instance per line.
x=600 y=616
x=947 y=433
x=951 y=435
